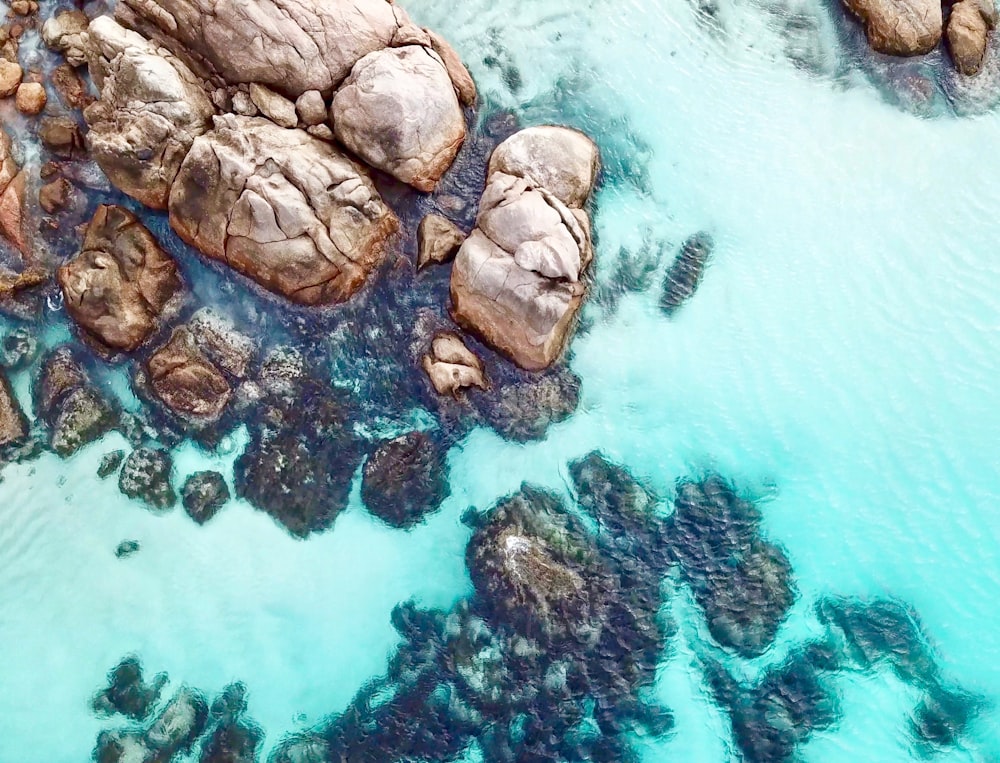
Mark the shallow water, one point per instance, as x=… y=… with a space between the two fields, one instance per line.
x=838 y=363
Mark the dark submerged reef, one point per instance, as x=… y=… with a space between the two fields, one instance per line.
x=405 y=479
x=203 y=495
x=686 y=271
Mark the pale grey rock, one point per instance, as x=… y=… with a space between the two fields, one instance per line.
x=451 y=366
x=311 y=108
x=275 y=107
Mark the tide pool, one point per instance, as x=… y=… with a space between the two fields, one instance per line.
x=838 y=364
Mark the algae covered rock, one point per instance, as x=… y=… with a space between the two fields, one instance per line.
x=405 y=479
x=146 y=476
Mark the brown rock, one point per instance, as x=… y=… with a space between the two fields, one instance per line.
x=451 y=366
x=53 y=197
x=10 y=77
x=187 y=383
x=61 y=136
x=900 y=27
x=969 y=26
x=120 y=283
x=30 y=98
x=461 y=80
x=22 y=7
x=13 y=425
x=71 y=88
x=12 y=197
x=438 y=240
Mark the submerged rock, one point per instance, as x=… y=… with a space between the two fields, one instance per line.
x=146 y=477
x=186 y=381
x=126 y=548
x=517 y=279
x=283 y=208
x=127 y=693
x=685 y=273
x=18 y=349
x=150 y=111
x=942 y=717
x=451 y=366
x=969 y=25
x=203 y=494
x=900 y=27
x=741 y=580
x=13 y=425
x=179 y=725
x=68 y=404
x=119 y=284
x=405 y=479
x=110 y=463
x=524 y=409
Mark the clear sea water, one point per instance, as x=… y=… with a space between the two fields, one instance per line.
x=840 y=362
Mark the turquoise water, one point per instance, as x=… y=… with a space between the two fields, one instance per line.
x=839 y=363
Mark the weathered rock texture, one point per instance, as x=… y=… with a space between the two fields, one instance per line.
x=900 y=27
x=281 y=207
x=121 y=281
x=66 y=33
x=72 y=409
x=438 y=240
x=186 y=381
x=150 y=111
x=517 y=279
x=13 y=426
x=12 y=194
x=969 y=27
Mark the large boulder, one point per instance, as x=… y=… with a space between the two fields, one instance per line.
x=969 y=27
x=399 y=112
x=517 y=279
x=13 y=426
x=119 y=284
x=284 y=208
x=405 y=479
x=151 y=109
x=187 y=382
x=12 y=196
x=900 y=27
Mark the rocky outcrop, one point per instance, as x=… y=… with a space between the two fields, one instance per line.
x=151 y=109
x=186 y=381
x=13 y=426
x=900 y=27
x=284 y=208
x=12 y=197
x=969 y=27
x=72 y=410
x=145 y=476
x=438 y=239
x=221 y=343
x=119 y=284
x=399 y=112
x=405 y=479
x=203 y=494
x=451 y=366
x=517 y=279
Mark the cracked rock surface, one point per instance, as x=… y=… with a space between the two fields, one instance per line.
x=284 y=208
x=969 y=26
x=186 y=381
x=117 y=287
x=517 y=279
x=900 y=27
x=12 y=194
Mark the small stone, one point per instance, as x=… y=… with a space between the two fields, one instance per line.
x=146 y=476
x=18 y=349
x=242 y=104
x=61 y=136
x=30 y=98
x=126 y=548
x=10 y=77
x=452 y=367
x=311 y=107
x=323 y=132
x=71 y=88
x=110 y=463
x=275 y=107
x=203 y=495
x=54 y=196
x=438 y=239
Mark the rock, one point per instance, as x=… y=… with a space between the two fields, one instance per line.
x=13 y=425
x=119 y=285
x=742 y=581
x=73 y=411
x=243 y=106
x=61 y=136
x=398 y=111
x=180 y=724
x=66 y=33
x=311 y=107
x=438 y=239
x=150 y=111
x=517 y=279
x=285 y=209
x=685 y=273
x=900 y=27
x=461 y=80
x=127 y=693
x=70 y=87
x=126 y=549
x=561 y=160
x=452 y=367
x=203 y=494
x=301 y=459
x=53 y=197
x=233 y=742
x=323 y=132
x=12 y=197
x=186 y=381
x=275 y=107
x=18 y=349
x=942 y=717
x=110 y=463
x=969 y=26
x=30 y=98
x=10 y=77
x=219 y=341
x=146 y=477
x=524 y=409
x=405 y=479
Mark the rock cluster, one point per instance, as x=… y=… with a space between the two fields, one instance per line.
x=128 y=693
x=119 y=284
x=172 y=732
x=517 y=279
x=451 y=366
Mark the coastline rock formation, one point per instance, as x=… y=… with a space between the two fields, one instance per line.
x=117 y=287
x=900 y=27
x=516 y=281
x=282 y=207
x=969 y=26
